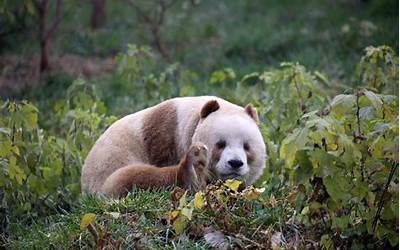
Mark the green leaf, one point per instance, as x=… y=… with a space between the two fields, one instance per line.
x=179 y=224
x=5 y=147
x=16 y=172
x=360 y=189
x=305 y=210
x=375 y=100
x=251 y=79
x=291 y=144
x=302 y=173
x=338 y=188
x=326 y=242
x=321 y=77
x=342 y=104
x=30 y=7
x=340 y=222
x=30 y=117
x=217 y=77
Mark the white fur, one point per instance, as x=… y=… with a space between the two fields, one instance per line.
x=235 y=129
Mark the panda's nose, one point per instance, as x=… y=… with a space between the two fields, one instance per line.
x=235 y=163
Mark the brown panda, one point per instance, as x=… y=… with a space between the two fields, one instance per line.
x=184 y=141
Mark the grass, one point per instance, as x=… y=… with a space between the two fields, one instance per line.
x=141 y=220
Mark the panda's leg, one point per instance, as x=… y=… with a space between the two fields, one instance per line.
x=191 y=173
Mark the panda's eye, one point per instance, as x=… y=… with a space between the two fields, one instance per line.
x=221 y=144
x=246 y=146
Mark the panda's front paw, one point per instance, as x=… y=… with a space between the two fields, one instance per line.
x=197 y=156
x=195 y=173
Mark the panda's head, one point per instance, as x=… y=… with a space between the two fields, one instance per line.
x=237 y=149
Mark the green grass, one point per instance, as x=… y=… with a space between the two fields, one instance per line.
x=140 y=220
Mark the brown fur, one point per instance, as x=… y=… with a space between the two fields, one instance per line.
x=190 y=173
x=141 y=176
x=252 y=112
x=215 y=155
x=208 y=108
x=159 y=133
x=250 y=156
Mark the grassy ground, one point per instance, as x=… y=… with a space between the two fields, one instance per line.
x=144 y=220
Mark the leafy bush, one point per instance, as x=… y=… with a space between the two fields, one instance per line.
x=342 y=161
x=39 y=170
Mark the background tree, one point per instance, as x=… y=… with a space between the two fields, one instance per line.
x=98 y=17
x=47 y=30
x=154 y=17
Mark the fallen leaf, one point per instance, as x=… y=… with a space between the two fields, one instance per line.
x=182 y=201
x=86 y=220
x=252 y=193
x=215 y=239
x=232 y=184
x=179 y=224
x=198 y=200
x=187 y=212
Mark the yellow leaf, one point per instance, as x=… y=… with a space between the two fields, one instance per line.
x=175 y=213
x=198 y=200
x=86 y=220
x=232 y=184
x=253 y=193
x=179 y=224
x=332 y=147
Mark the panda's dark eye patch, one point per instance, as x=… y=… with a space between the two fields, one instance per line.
x=246 y=146
x=221 y=144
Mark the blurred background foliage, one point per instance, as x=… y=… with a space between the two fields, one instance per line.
x=322 y=74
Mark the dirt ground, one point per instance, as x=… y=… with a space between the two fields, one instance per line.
x=18 y=72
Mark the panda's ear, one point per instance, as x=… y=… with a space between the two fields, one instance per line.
x=252 y=112
x=208 y=108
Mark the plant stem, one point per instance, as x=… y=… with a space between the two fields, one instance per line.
x=358 y=114
x=381 y=201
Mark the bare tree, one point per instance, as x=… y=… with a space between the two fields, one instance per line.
x=46 y=30
x=98 y=18
x=155 y=19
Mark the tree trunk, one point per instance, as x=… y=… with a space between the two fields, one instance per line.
x=43 y=38
x=46 y=31
x=98 y=18
x=44 y=55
